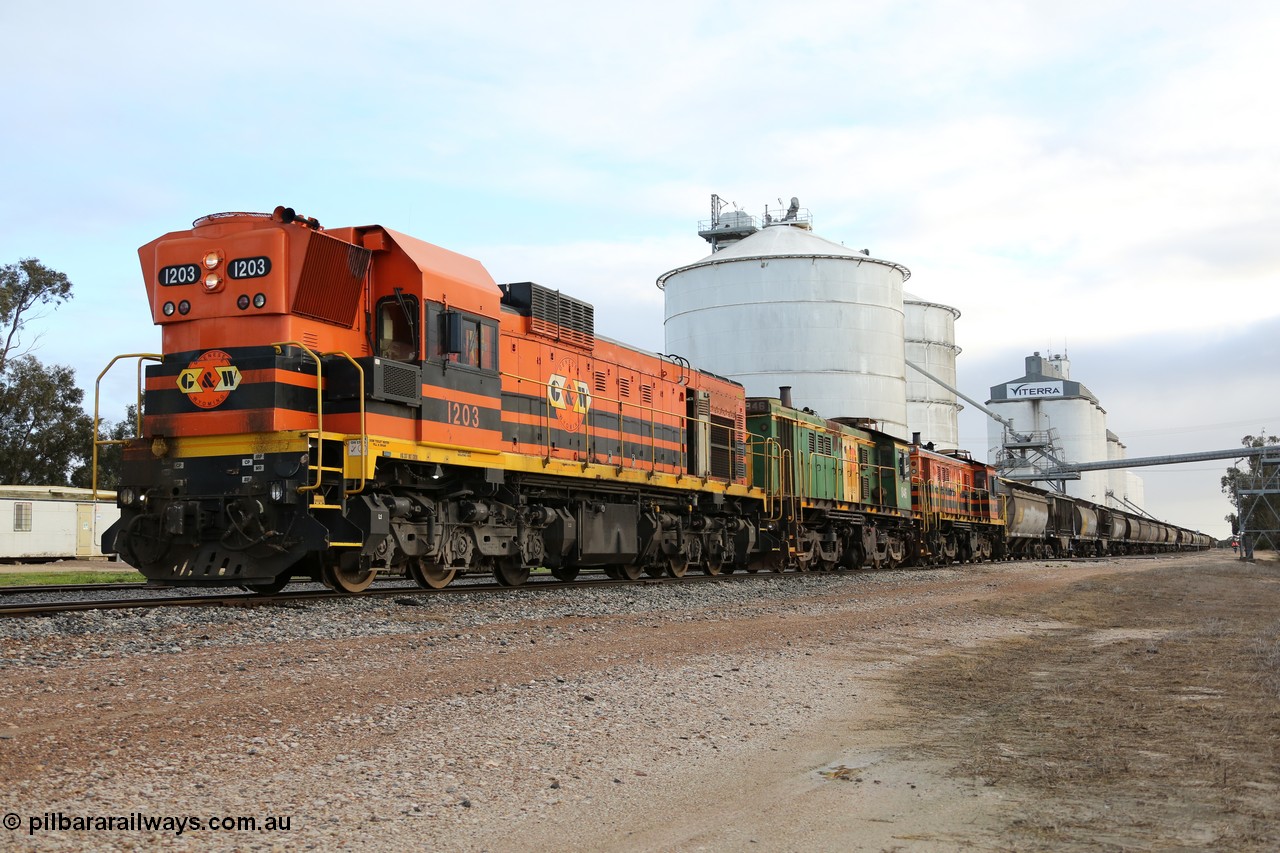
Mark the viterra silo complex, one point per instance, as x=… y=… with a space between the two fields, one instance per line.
x=1054 y=413
x=777 y=305
x=932 y=409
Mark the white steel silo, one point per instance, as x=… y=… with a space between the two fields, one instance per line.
x=1053 y=411
x=1117 y=478
x=930 y=338
x=783 y=306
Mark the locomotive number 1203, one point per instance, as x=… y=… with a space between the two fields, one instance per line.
x=464 y=414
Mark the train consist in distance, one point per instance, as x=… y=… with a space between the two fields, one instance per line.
x=340 y=403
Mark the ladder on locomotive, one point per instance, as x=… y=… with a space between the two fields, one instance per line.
x=322 y=484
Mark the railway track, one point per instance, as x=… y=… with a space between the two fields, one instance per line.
x=77 y=587
x=251 y=599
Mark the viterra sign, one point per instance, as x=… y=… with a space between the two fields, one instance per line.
x=1032 y=390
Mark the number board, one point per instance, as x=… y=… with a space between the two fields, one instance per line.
x=179 y=274
x=249 y=267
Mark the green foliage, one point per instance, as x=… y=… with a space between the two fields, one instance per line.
x=25 y=287
x=46 y=438
x=111 y=456
x=1254 y=512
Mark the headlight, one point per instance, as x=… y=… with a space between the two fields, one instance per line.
x=277 y=491
x=127 y=496
x=212 y=259
x=213 y=282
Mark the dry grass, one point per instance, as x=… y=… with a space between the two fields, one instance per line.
x=1152 y=722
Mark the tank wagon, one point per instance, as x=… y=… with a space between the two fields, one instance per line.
x=339 y=403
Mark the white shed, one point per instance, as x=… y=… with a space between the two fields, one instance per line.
x=42 y=523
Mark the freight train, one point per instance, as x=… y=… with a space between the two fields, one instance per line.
x=341 y=403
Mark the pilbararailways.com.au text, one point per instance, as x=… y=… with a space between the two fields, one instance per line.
x=140 y=822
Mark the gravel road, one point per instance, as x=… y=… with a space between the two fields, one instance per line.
x=753 y=715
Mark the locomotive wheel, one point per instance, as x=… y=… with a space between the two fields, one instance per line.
x=509 y=572
x=854 y=556
x=677 y=565
x=612 y=572
x=629 y=571
x=655 y=571
x=710 y=568
x=269 y=587
x=565 y=573
x=431 y=575
x=344 y=574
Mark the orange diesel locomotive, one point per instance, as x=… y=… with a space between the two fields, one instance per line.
x=329 y=402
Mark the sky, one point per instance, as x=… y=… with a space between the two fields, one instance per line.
x=1099 y=178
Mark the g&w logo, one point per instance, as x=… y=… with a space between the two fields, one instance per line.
x=570 y=399
x=209 y=379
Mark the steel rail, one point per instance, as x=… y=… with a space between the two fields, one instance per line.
x=251 y=599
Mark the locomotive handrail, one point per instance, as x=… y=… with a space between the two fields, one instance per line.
x=786 y=481
x=97 y=396
x=364 y=431
x=879 y=474
x=319 y=466
x=810 y=465
x=770 y=453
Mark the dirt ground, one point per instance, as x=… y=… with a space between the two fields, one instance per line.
x=1119 y=705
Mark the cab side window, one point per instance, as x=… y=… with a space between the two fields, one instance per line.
x=470 y=341
x=397 y=328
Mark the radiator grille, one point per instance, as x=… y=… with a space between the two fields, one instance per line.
x=551 y=313
x=401 y=383
x=722 y=462
x=331 y=280
x=563 y=318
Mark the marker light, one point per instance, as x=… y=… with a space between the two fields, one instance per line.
x=242 y=302
x=183 y=307
x=168 y=309
x=259 y=299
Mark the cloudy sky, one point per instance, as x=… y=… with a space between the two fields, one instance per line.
x=1103 y=178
